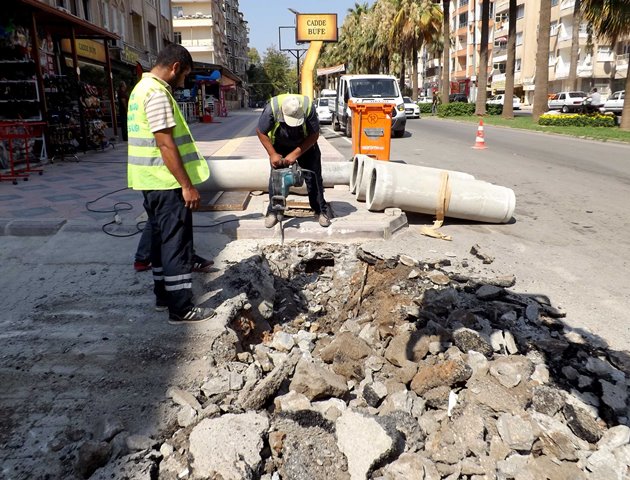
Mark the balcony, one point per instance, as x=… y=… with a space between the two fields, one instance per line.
x=196 y=20
x=200 y=45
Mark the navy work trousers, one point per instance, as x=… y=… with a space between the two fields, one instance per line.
x=171 y=248
x=309 y=160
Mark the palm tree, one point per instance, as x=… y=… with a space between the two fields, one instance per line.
x=508 y=104
x=542 y=61
x=611 y=19
x=416 y=22
x=446 y=53
x=575 y=46
x=482 y=77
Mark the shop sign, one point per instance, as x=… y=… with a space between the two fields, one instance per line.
x=498 y=85
x=316 y=27
x=86 y=48
x=129 y=56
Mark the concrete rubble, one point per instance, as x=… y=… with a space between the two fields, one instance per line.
x=341 y=363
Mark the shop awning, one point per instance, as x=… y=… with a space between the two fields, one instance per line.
x=330 y=70
x=61 y=21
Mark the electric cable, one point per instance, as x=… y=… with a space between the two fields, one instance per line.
x=126 y=206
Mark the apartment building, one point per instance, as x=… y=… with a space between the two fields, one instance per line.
x=600 y=64
x=144 y=27
x=200 y=26
x=216 y=34
x=465 y=28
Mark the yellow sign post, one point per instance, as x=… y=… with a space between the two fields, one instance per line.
x=315 y=28
x=312 y=27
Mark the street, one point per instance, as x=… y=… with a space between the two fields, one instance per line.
x=570 y=238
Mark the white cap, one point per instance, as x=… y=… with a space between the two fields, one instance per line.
x=292 y=111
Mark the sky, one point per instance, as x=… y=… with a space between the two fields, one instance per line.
x=265 y=16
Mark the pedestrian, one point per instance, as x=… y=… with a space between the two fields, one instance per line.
x=142 y=260
x=123 y=101
x=435 y=102
x=165 y=164
x=288 y=129
x=596 y=102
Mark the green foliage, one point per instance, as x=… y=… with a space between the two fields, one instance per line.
x=456 y=109
x=460 y=109
x=425 y=107
x=492 y=109
x=577 y=120
x=277 y=67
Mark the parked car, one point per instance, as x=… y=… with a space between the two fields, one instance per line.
x=412 y=110
x=458 y=97
x=567 y=101
x=323 y=112
x=499 y=99
x=614 y=103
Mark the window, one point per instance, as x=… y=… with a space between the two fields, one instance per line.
x=517 y=65
x=86 y=9
x=463 y=2
x=463 y=19
x=105 y=7
x=554 y=3
x=520 y=11
x=164 y=5
x=499 y=67
x=519 y=38
x=136 y=25
x=153 y=38
x=177 y=37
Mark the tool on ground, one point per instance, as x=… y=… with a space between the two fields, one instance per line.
x=282 y=179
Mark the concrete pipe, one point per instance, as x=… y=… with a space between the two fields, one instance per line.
x=421 y=191
x=253 y=174
x=361 y=165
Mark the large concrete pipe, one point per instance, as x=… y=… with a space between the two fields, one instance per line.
x=253 y=174
x=361 y=165
x=423 y=192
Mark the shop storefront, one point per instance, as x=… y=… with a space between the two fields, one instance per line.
x=56 y=69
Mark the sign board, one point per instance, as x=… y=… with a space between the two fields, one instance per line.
x=316 y=27
x=86 y=48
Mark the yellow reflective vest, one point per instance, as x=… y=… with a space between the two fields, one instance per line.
x=145 y=168
x=276 y=109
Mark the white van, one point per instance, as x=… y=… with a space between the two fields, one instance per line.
x=365 y=89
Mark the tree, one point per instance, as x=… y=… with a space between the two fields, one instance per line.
x=575 y=46
x=254 y=56
x=482 y=76
x=416 y=22
x=446 y=53
x=542 y=61
x=277 y=67
x=508 y=104
x=611 y=19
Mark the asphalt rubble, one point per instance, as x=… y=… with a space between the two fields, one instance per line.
x=341 y=362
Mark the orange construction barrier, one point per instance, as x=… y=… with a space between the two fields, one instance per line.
x=372 y=128
x=480 y=142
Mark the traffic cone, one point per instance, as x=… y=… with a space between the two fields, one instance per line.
x=480 y=142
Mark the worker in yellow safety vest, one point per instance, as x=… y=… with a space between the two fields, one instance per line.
x=288 y=129
x=165 y=164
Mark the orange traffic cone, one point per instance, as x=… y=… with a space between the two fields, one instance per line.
x=480 y=142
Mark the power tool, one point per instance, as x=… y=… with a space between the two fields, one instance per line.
x=282 y=179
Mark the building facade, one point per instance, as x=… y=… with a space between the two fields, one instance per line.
x=600 y=64
x=216 y=34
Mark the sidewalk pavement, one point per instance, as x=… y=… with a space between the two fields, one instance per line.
x=83 y=195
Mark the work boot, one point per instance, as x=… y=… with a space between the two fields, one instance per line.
x=194 y=315
x=324 y=219
x=270 y=219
